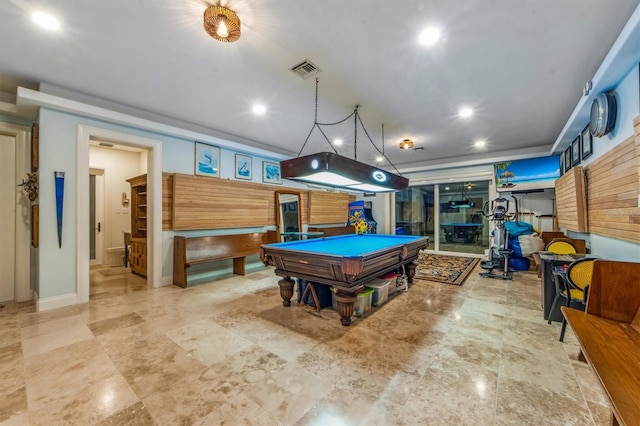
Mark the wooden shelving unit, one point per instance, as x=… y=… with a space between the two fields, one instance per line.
x=139 y=224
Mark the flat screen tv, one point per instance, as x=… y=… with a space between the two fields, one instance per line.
x=527 y=174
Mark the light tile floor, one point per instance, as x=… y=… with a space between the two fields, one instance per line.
x=229 y=353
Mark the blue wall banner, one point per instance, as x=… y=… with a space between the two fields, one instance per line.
x=59 y=176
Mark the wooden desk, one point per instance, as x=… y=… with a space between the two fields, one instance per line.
x=609 y=335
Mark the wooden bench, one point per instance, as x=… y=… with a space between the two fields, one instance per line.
x=609 y=335
x=189 y=251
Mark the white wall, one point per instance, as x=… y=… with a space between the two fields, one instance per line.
x=56 y=270
x=119 y=165
x=628 y=109
x=57 y=265
x=627 y=94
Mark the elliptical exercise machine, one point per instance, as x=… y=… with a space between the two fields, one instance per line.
x=499 y=252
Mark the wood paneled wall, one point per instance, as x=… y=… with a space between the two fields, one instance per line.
x=208 y=203
x=196 y=202
x=167 y=201
x=613 y=187
x=328 y=207
x=571 y=201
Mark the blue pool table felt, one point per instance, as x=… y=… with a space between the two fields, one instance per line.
x=348 y=245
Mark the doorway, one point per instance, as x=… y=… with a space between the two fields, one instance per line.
x=15 y=214
x=153 y=160
x=96 y=216
x=7 y=217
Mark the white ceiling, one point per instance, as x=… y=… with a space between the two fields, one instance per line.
x=520 y=64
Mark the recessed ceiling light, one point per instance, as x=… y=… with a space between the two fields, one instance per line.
x=480 y=143
x=337 y=141
x=429 y=36
x=259 y=109
x=379 y=159
x=46 y=21
x=465 y=112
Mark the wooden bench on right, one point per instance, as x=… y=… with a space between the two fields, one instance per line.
x=609 y=335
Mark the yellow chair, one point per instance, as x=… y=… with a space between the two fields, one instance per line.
x=561 y=247
x=578 y=278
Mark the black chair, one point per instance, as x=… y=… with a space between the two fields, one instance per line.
x=573 y=287
x=579 y=276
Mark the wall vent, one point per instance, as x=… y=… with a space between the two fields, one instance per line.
x=305 y=69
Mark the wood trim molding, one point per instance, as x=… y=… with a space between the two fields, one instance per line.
x=572 y=201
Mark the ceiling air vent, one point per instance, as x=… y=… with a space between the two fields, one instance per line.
x=305 y=69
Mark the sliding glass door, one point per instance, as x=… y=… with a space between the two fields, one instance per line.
x=463 y=229
x=450 y=214
x=415 y=211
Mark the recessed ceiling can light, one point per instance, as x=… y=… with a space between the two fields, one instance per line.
x=259 y=109
x=429 y=36
x=480 y=143
x=465 y=112
x=46 y=20
x=337 y=141
x=379 y=159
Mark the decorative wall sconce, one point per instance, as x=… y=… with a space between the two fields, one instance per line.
x=125 y=200
x=30 y=185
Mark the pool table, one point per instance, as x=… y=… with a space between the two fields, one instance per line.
x=346 y=262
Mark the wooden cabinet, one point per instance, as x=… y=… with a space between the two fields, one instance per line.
x=139 y=256
x=139 y=224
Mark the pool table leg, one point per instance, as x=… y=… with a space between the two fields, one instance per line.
x=286 y=290
x=410 y=270
x=345 y=303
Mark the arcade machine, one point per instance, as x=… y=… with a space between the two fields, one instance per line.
x=361 y=217
x=371 y=224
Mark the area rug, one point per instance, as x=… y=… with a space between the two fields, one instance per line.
x=443 y=268
x=119 y=270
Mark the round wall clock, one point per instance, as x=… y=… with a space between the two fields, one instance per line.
x=603 y=114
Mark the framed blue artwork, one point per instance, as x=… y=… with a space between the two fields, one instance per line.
x=587 y=143
x=243 y=167
x=207 y=160
x=271 y=172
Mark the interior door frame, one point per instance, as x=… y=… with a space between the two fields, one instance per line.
x=154 y=203
x=22 y=135
x=100 y=217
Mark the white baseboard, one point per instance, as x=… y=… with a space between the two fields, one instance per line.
x=55 y=302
